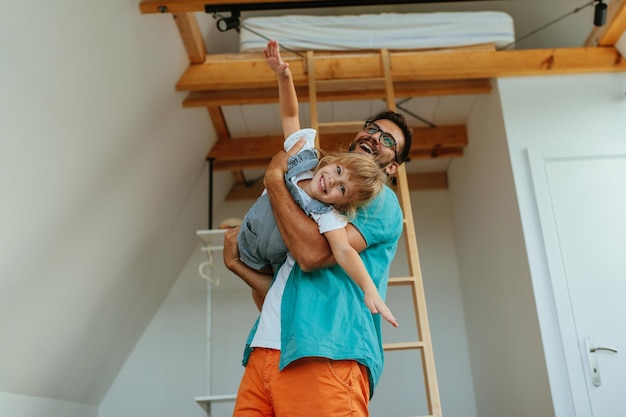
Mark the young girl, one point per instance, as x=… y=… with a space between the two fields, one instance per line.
x=329 y=190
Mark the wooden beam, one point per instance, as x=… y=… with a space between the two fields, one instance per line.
x=246 y=71
x=207 y=98
x=184 y=6
x=232 y=154
x=241 y=191
x=219 y=123
x=192 y=36
x=418 y=181
x=177 y=6
x=260 y=162
x=442 y=136
x=427 y=180
x=613 y=28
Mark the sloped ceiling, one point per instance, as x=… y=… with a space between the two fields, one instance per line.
x=103 y=180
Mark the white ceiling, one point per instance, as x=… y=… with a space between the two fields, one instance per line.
x=103 y=174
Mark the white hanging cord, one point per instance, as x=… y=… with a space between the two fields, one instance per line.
x=207 y=270
x=211 y=240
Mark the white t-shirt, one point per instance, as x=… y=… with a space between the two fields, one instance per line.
x=268 y=330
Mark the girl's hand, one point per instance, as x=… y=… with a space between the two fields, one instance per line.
x=273 y=59
x=377 y=305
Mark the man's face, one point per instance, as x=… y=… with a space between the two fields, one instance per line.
x=370 y=145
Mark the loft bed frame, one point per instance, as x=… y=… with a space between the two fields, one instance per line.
x=229 y=79
x=216 y=80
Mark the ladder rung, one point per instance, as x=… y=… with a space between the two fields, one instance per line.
x=350 y=84
x=402 y=281
x=403 y=346
x=217 y=398
x=339 y=127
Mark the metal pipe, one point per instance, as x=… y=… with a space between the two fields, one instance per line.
x=210 y=160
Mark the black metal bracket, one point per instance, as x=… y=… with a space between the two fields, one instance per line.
x=215 y=8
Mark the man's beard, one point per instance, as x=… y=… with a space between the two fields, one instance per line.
x=373 y=154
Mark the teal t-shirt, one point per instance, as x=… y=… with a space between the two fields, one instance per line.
x=323 y=313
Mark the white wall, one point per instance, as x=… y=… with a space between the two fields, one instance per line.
x=505 y=346
x=400 y=391
x=168 y=365
x=15 y=405
x=167 y=368
x=165 y=371
x=98 y=162
x=548 y=112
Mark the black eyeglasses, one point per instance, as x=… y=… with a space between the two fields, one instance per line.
x=386 y=139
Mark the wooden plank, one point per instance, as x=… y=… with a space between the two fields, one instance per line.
x=428 y=180
x=219 y=123
x=241 y=71
x=613 y=28
x=192 y=36
x=206 y=98
x=240 y=164
x=176 y=6
x=353 y=84
x=418 y=181
x=403 y=345
x=252 y=148
x=435 y=152
x=237 y=164
x=312 y=82
x=428 y=142
x=398 y=281
x=242 y=191
x=339 y=127
x=441 y=136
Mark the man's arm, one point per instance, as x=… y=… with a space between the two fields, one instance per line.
x=300 y=233
x=259 y=282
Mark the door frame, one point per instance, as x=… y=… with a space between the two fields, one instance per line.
x=572 y=346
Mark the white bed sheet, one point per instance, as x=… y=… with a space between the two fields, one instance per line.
x=376 y=31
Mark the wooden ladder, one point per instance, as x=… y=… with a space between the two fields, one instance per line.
x=414 y=279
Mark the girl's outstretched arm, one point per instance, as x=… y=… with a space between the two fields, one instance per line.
x=351 y=262
x=287 y=96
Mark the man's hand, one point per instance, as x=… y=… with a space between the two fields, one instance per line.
x=277 y=167
x=273 y=59
x=231 y=250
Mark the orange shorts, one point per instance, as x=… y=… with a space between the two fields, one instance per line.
x=308 y=387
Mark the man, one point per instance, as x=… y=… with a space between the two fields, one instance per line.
x=316 y=350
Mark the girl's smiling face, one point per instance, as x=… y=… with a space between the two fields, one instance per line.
x=331 y=184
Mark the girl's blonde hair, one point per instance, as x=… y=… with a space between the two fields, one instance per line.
x=363 y=170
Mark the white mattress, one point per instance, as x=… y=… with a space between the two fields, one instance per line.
x=376 y=31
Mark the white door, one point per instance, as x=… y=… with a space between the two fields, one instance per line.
x=582 y=209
